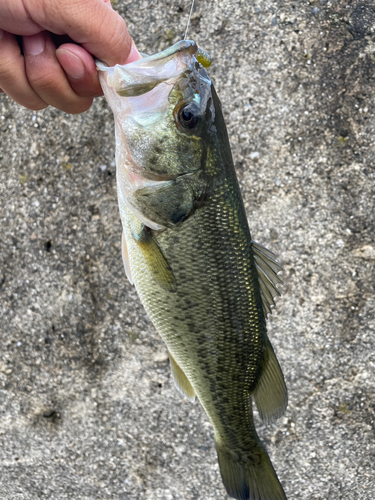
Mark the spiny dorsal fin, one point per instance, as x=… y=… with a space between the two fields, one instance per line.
x=180 y=380
x=270 y=394
x=125 y=259
x=267 y=268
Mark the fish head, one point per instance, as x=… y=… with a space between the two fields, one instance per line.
x=164 y=117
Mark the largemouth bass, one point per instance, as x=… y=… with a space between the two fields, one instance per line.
x=187 y=248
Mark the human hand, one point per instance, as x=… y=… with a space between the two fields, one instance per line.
x=65 y=78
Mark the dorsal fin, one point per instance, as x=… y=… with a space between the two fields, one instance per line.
x=267 y=268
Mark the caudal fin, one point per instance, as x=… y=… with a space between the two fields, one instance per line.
x=250 y=476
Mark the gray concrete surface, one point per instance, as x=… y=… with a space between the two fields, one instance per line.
x=87 y=406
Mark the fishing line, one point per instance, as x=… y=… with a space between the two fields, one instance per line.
x=191 y=10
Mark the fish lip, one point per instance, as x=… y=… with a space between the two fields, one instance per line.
x=100 y=65
x=179 y=46
x=156 y=177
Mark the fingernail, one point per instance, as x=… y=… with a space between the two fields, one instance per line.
x=34 y=44
x=72 y=64
x=134 y=55
x=2 y=33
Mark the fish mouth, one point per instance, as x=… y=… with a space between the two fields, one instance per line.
x=141 y=76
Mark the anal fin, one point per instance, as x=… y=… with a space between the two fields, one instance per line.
x=270 y=394
x=180 y=380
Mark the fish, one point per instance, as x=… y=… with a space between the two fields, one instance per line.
x=186 y=246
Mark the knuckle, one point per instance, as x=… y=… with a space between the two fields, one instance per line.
x=119 y=41
x=42 y=80
x=88 y=93
x=77 y=106
x=7 y=70
x=36 y=107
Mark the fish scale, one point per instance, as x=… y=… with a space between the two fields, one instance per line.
x=187 y=248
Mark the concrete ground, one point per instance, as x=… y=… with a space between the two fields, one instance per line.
x=88 y=409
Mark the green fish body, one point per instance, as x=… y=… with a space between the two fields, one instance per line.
x=187 y=248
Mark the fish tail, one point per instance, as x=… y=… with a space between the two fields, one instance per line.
x=249 y=476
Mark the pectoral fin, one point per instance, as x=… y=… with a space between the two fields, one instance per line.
x=154 y=257
x=125 y=259
x=270 y=394
x=180 y=380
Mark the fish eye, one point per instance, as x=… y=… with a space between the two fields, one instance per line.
x=188 y=116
